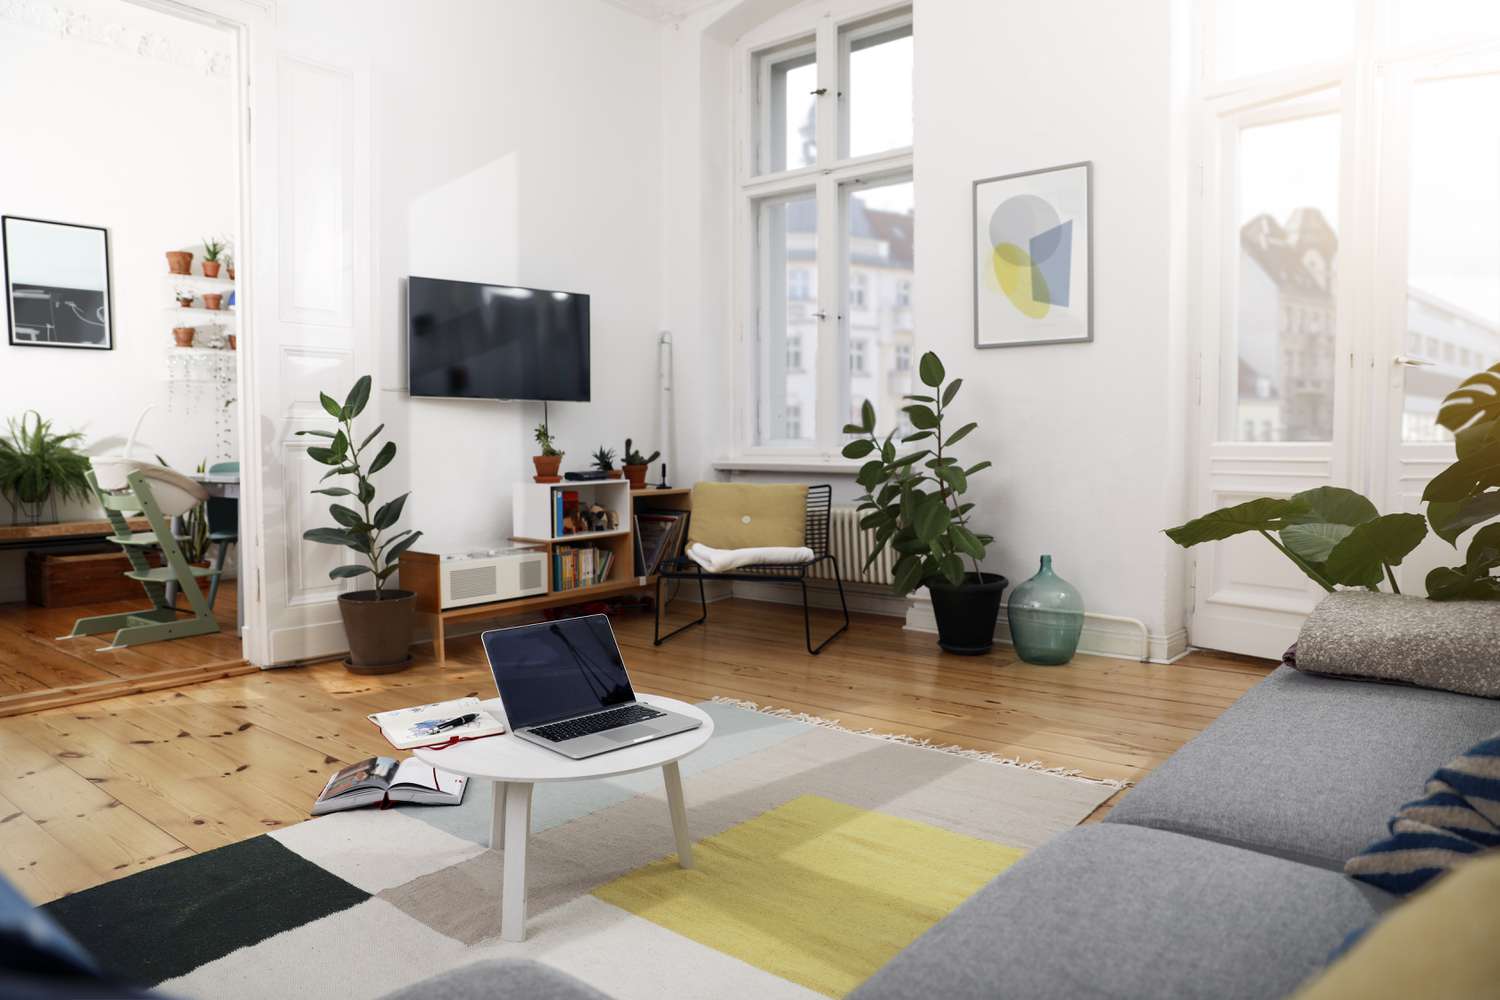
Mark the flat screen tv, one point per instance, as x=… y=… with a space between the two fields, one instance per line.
x=496 y=341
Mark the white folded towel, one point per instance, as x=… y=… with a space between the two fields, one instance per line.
x=725 y=560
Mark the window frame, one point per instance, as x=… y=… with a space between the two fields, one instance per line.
x=830 y=24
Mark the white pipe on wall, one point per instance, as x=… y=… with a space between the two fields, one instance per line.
x=665 y=427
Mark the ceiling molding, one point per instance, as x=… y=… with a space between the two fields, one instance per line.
x=73 y=23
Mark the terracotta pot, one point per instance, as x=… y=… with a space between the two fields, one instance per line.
x=179 y=262
x=183 y=335
x=615 y=474
x=546 y=468
x=233 y=345
x=378 y=627
x=213 y=300
x=185 y=303
x=211 y=269
x=637 y=476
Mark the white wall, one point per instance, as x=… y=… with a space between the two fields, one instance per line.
x=1087 y=440
x=141 y=143
x=514 y=142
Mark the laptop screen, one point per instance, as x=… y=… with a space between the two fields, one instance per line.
x=556 y=670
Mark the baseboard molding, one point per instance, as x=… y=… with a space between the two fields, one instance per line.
x=821 y=594
x=1101 y=636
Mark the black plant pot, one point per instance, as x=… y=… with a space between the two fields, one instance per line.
x=379 y=629
x=966 y=614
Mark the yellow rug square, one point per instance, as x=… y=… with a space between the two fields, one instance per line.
x=814 y=891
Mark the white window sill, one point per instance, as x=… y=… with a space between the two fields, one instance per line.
x=788 y=463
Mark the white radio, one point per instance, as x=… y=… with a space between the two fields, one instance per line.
x=492 y=575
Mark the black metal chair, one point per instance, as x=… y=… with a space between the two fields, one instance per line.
x=819 y=507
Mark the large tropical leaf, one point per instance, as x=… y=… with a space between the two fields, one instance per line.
x=1472 y=580
x=1264 y=514
x=1451 y=519
x=1465 y=477
x=1331 y=505
x=347 y=571
x=382 y=457
x=390 y=512
x=1360 y=559
x=1314 y=542
x=930 y=369
x=1476 y=400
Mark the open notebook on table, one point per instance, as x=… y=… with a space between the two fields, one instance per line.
x=418 y=726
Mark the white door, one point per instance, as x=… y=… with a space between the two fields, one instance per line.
x=1352 y=280
x=312 y=314
x=1439 y=270
x=1276 y=385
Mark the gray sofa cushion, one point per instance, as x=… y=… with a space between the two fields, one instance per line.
x=508 y=979
x=1121 y=911
x=1308 y=768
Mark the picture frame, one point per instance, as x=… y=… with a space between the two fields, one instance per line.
x=1033 y=257
x=57 y=284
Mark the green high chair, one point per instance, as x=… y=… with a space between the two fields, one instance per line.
x=125 y=487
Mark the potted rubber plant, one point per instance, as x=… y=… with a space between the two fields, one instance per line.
x=636 y=465
x=604 y=461
x=914 y=503
x=549 y=460
x=378 y=622
x=38 y=466
x=213 y=252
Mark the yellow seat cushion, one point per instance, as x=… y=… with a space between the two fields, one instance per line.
x=1438 y=944
x=748 y=515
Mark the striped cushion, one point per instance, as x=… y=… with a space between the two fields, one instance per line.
x=1459 y=816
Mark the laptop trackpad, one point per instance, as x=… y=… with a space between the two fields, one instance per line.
x=629 y=734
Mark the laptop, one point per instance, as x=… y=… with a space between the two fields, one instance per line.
x=563 y=686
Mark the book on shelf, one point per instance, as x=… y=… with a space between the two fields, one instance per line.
x=661 y=537
x=386 y=781
x=418 y=726
x=578 y=566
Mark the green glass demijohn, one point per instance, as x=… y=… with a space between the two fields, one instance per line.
x=1046 y=617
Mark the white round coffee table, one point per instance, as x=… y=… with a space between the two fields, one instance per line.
x=514 y=765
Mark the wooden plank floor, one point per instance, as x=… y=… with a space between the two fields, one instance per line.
x=92 y=793
x=35 y=663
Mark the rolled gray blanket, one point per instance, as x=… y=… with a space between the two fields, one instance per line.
x=1445 y=645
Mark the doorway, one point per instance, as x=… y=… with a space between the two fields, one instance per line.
x=1351 y=280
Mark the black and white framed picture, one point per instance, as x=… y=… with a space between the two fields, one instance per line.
x=1033 y=257
x=57 y=284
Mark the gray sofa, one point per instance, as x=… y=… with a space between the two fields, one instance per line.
x=1219 y=876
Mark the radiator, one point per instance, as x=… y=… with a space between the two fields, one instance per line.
x=851 y=545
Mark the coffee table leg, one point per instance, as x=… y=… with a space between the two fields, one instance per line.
x=513 y=889
x=673 y=777
x=497 y=816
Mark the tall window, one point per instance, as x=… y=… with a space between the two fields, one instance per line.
x=1350 y=148
x=829 y=228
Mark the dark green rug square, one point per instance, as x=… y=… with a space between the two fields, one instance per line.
x=169 y=920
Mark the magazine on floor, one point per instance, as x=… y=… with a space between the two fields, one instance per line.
x=385 y=781
x=439 y=724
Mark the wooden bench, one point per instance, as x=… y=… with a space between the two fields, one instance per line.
x=60 y=533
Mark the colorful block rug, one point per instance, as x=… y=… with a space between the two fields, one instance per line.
x=821 y=854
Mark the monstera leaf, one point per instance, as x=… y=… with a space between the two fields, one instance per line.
x=1472 y=413
x=1475 y=401
x=1471 y=581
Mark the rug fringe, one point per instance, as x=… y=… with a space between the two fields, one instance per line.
x=921 y=743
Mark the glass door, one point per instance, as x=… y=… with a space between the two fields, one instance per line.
x=1440 y=269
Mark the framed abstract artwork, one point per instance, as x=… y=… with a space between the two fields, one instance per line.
x=1033 y=257
x=57 y=284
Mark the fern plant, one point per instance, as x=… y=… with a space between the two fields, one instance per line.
x=38 y=464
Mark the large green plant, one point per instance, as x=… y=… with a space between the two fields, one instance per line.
x=36 y=463
x=361 y=530
x=914 y=499
x=1467 y=493
x=1334 y=535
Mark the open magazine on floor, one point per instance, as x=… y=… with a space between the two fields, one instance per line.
x=385 y=781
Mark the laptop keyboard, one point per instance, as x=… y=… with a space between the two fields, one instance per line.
x=570 y=729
